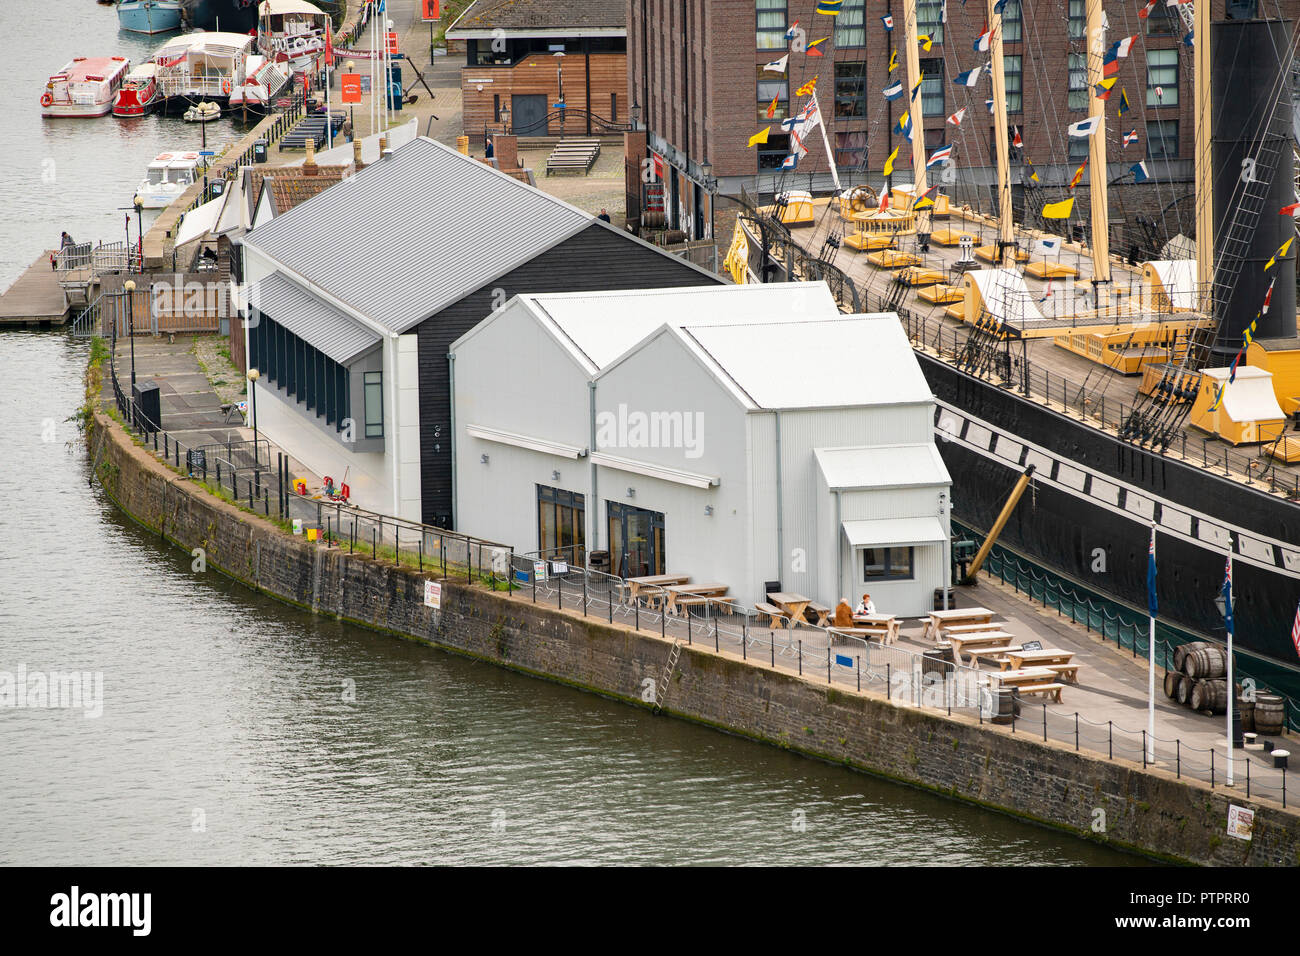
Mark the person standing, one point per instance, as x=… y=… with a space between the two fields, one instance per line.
x=604 y=216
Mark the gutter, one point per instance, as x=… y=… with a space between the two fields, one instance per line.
x=455 y=488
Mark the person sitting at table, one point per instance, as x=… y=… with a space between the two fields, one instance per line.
x=843 y=614
x=866 y=607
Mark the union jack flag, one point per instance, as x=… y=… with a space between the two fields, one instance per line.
x=1295 y=630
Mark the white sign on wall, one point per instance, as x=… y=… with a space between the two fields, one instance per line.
x=539 y=570
x=1241 y=822
x=432 y=594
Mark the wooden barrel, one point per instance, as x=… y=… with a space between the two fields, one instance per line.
x=1180 y=652
x=1247 y=710
x=1206 y=663
x=1268 y=713
x=1172 y=680
x=1211 y=695
x=1004 y=705
x=1185 y=689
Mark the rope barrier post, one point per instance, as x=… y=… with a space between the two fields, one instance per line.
x=771 y=643
x=744 y=638
x=688 y=622
x=1144 y=749
x=1110 y=739
x=715 y=629
x=828 y=664
x=1044 y=721
x=663 y=620
x=800 y=657
x=859 y=670
x=1247 y=779
x=1211 y=768
x=584 y=593
x=1076 y=730
x=609 y=598
x=1178 y=758
x=889 y=681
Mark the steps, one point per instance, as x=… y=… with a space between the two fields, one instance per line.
x=572 y=155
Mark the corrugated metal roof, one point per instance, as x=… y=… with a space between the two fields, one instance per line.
x=551 y=14
x=598 y=327
x=313 y=320
x=844 y=362
x=881 y=466
x=895 y=532
x=413 y=233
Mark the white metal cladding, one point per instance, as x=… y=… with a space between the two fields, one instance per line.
x=894 y=532
x=312 y=319
x=882 y=466
x=415 y=232
x=850 y=361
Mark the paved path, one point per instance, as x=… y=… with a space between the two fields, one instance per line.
x=35 y=297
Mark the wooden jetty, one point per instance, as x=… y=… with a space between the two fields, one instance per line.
x=36 y=298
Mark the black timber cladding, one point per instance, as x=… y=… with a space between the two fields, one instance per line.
x=597 y=259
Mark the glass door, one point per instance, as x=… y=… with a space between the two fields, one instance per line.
x=636 y=540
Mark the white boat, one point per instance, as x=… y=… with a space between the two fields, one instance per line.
x=203 y=66
x=204 y=112
x=169 y=175
x=266 y=79
x=139 y=93
x=149 y=16
x=291 y=32
x=87 y=86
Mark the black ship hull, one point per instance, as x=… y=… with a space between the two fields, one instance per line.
x=229 y=16
x=1090 y=509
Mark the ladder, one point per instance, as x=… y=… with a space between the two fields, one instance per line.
x=665 y=679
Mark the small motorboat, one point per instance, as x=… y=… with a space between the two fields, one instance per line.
x=85 y=87
x=169 y=175
x=204 y=112
x=139 y=93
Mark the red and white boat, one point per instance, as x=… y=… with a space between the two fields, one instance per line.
x=85 y=87
x=266 y=79
x=139 y=93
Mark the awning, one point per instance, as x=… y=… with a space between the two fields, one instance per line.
x=312 y=319
x=894 y=532
x=200 y=221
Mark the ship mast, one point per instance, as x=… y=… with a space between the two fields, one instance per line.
x=1204 y=175
x=1006 y=225
x=914 y=107
x=1097 y=147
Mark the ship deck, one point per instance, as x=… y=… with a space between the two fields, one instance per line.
x=1062 y=380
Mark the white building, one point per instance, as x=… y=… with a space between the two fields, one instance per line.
x=739 y=434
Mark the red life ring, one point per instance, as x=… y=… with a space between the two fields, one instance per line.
x=46 y=99
x=225 y=86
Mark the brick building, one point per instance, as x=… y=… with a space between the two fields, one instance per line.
x=524 y=57
x=697 y=69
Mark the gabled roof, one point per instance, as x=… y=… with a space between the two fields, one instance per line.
x=291 y=187
x=415 y=232
x=598 y=327
x=332 y=331
x=541 y=18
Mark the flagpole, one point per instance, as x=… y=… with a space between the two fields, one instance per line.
x=1006 y=224
x=1097 y=151
x=329 y=118
x=1231 y=690
x=1151 y=649
x=830 y=157
x=913 y=108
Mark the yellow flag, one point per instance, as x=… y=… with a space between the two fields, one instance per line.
x=925 y=202
x=893 y=61
x=807 y=88
x=760 y=136
x=889 y=163
x=925 y=41
x=1058 y=210
x=1281 y=253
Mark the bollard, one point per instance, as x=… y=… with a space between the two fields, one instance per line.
x=420 y=557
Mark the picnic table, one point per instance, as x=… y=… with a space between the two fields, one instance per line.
x=791 y=603
x=820 y=612
x=985 y=641
x=1032 y=680
x=1058 y=662
x=653 y=584
x=956 y=617
x=687 y=595
x=888 y=621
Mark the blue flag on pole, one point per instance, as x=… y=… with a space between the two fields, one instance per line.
x=1227 y=595
x=1152 y=604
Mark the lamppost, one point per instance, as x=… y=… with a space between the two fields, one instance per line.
x=559 y=79
x=138 y=203
x=635 y=114
x=129 y=286
x=711 y=187
x=352 y=109
x=253 y=376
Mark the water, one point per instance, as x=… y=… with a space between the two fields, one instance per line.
x=73 y=174
x=225 y=738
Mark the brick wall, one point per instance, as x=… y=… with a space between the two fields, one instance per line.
x=1045 y=782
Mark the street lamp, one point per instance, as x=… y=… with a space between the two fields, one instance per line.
x=351 y=66
x=253 y=376
x=559 y=79
x=138 y=203
x=129 y=286
x=635 y=114
x=711 y=187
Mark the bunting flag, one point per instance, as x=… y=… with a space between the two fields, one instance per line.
x=1295 y=630
x=803 y=121
x=981 y=44
x=884 y=196
x=1146 y=11
x=777 y=66
x=917 y=88
x=888 y=22
x=1122 y=46
x=771 y=107
x=1139 y=171
x=1280 y=254
x=760 y=136
x=893 y=61
x=1058 y=210
x=1078 y=174
x=894 y=90
x=989 y=104
x=1190 y=39
x=1124 y=105
x=790 y=33
x=889 y=163
x=1110 y=64
x=940 y=155
x=925 y=202
x=790 y=162
x=1102 y=89
x=1085 y=127
x=999 y=6
x=1016 y=141
x=807 y=88
x=1130 y=138
x=830 y=8
x=1227 y=595
x=1218 y=399
x=1048 y=246
x=813 y=50
x=969 y=79
x=1290 y=210
x=904 y=127
x=956 y=118
x=925 y=41
x=1033 y=173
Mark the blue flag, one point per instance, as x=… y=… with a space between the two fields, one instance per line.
x=1227 y=596
x=1152 y=604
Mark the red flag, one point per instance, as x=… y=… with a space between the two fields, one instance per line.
x=329 y=44
x=1146 y=11
x=1078 y=174
x=1289 y=210
x=1016 y=141
x=884 y=199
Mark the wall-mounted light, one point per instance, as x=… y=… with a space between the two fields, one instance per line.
x=555 y=476
x=708 y=509
x=483 y=458
x=631 y=492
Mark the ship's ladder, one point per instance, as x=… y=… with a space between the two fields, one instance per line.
x=665 y=679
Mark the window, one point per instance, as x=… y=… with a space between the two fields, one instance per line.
x=850 y=89
x=771 y=24
x=280 y=356
x=1078 y=81
x=1079 y=149
x=1162 y=77
x=1161 y=21
x=851 y=150
x=374 y=387
x=1011 y=70
x=886 y=563
x=929 y=19
x=771 y=85
x=850 y=26
x=932 y=102
x=1162 y=139
x=562 y=524
x=772 y=153
x=1011 y=22
x=1078 y=20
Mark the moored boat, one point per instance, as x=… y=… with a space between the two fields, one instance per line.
x=265 y=80
x=85 y=87
x=139 y=92
x=169 y=175
x=291 y=32
x=202 y=66
x=204 y=112
x=149 y=16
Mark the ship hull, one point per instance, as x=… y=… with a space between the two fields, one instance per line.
x=1088 y=514
x=149 y=18
x=230 y=16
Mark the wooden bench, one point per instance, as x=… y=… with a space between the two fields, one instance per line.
x=1068 y=672
x=865 y=632
x=820 y=613
x=995 y=655
x=1052 y=690
x=776 y=618
x=573 y=154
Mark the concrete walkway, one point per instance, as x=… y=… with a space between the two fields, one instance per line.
x=35 y=298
